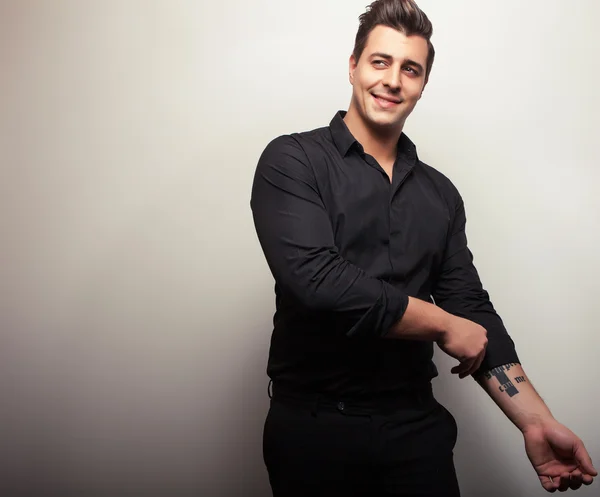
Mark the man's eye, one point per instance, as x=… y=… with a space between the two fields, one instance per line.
x=378 y=62
x=411 y=70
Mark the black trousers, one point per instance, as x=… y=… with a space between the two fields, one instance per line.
x=317 y=447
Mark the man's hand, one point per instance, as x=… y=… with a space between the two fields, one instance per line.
x=558 y=456
x=466 y=341
x=458 y=337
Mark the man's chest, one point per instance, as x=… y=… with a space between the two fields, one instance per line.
x=371 y=216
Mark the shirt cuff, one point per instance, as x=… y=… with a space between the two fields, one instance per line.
x=501 y=350
x=385 y=313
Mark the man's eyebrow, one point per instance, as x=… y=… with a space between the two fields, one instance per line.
x=382 y=55
x=388 y=57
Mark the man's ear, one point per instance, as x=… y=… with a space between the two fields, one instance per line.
x=351 y=69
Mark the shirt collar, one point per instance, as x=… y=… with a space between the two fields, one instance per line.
x=344 y=140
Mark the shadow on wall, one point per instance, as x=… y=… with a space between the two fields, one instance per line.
x=240 y=469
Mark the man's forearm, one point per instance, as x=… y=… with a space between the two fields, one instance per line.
x=510 y=388
x=421 y=321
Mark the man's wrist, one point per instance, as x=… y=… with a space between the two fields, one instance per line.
x=422 y=321
x=443 y=323
x=532 y=421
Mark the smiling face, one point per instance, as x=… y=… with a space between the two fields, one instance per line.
x=388 y=79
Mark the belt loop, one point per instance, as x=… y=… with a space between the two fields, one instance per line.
x=269 y=390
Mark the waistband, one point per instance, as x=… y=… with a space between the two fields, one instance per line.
x=410 y=398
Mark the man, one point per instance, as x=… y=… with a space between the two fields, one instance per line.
x=368 y=249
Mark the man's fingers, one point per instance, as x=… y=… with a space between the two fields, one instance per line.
x=469 y=366
x=548 y=484
x=474 y=365
x=478 y=362
x=469 y=371
x=583 y=459
x=564 y=482
x=587 y=479
x=576 y=480
x=459 y=368
x=463 y=367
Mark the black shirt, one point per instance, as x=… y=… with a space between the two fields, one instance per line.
x=346 y=248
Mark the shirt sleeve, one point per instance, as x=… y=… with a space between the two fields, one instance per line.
x=296 y=236
x=458 y=290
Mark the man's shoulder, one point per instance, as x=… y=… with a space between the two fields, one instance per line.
x=306 y=147
x=315 y=138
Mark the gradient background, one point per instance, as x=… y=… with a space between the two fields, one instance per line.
x=136 y=306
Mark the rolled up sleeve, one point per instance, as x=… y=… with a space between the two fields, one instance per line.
x=459 y=291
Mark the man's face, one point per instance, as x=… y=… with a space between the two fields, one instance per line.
x=389 y=77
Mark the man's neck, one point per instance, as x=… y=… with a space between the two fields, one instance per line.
x=381 y=144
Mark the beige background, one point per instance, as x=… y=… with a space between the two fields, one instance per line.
x=135 y=303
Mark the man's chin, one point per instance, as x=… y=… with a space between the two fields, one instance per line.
x=385 y=122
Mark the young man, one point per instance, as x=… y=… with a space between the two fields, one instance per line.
x=368 y=249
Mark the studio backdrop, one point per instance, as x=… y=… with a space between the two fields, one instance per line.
x=135 y=303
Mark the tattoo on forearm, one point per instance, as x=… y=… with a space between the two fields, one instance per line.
x=505 y=384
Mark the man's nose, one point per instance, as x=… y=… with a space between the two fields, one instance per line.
x=392 y=79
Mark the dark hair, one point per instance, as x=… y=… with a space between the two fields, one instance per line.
x=403 y=15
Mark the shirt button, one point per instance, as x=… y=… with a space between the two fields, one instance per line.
x=341 y=406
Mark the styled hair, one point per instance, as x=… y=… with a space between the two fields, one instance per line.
x=402 y=15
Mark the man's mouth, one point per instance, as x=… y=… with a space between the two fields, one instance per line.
x=386 y=102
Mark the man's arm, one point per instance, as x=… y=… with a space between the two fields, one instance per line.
x=459 y=291
x=458 y=337
x=558 y=456
x=510 y=388
x=556 y=453
x=297 y=239
x=296 y=236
